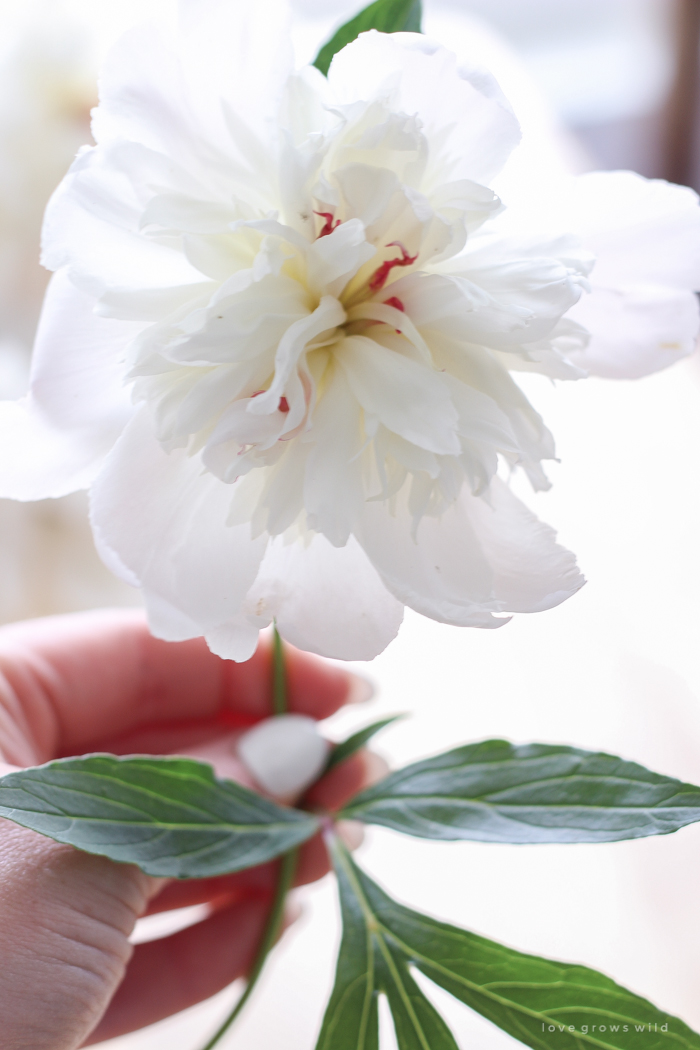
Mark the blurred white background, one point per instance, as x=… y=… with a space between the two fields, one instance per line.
x=615 y=668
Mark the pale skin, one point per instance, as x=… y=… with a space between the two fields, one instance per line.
x=99 y=682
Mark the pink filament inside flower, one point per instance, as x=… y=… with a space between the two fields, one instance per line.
x=283 y=405
x=330 y=223
x=398 y=305
x=379 y=278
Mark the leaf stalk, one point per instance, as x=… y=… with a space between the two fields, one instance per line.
x=288 y=865
x=288 y=862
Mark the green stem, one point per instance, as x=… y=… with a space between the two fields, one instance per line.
x=272 y=929
x=288 y=863
x=279 y=675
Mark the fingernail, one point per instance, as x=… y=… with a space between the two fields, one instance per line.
x=351 y=833
x=293 y=911
x=361 y=690
x=376 y=768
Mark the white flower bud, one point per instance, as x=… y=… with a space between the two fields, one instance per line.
x=285 y=754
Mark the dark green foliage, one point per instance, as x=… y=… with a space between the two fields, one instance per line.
x=388 y=16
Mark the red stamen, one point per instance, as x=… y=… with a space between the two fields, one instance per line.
x=396 y=303
x=283 y=405
x=380 y=276
x=329 y=225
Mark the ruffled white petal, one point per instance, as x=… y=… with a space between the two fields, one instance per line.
x=166 y=522
x=333 y=490
x=39 y=461
x=531 y=571
x=478 y=559
x=411 y=401
x=162 y=86
x=636 y=330
x=325 y=599
x=645 y=236
x=92 y=226
x=77 y=405
x=642 y=313
x=463 y=109
x=641 y=231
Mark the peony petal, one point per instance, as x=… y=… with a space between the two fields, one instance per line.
x=463 y=108
x=236 y=640
x=78 y=362
x=645 y=235
x=248 y=323
x=406 y=397
x=333 y=492
x=442 y=573
x=333 y=260
x=77 y=405
x=202 y=92
x=327 y=315
x=166 y=522
x=644 y=231
x=531 y=572
x=475 y=560
x=92 y=225
x=326 y=600
x=39 y=461
x=636 y=330
x=515 y=290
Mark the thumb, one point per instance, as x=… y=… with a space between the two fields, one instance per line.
x=65 y=920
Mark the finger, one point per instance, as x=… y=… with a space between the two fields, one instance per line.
x=100 y=681
x=242 y=886
x=345 y=780
x=168 y=975
x=331 y=792
x=65 y=920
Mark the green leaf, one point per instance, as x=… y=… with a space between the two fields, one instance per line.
x=522 y=994
x=388 y=16
x=370 y=963
x=171 y=816
x=357 y=740
x=498 y=792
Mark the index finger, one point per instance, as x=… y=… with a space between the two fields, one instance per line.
x=100 y=681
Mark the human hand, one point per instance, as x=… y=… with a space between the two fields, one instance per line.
x=100 y=682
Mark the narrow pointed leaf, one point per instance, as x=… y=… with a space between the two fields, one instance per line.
x=522 y=994
x=388 y=16
x=170 y=816
x=351 y=1021
x=498 y=792
x=417 y=1023
x=357 y=740
x=369 y=964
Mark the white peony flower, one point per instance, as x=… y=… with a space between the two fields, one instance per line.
x=281 y=342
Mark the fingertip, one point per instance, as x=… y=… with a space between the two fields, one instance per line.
x=360 y=690
x=338 y=785
x=317 y=688
x=293 y=911
x=351 y=833
x=376 y=768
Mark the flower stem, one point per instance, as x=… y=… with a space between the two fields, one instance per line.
x=288 y=862
x=288 y=865
x=279 y=675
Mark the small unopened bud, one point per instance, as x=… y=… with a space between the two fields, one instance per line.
x=285 y=754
